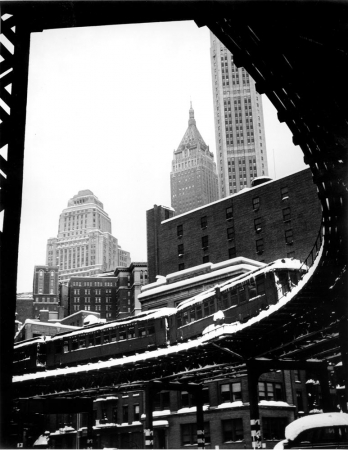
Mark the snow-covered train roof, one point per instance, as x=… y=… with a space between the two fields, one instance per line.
x=151 y=314
x=279 y=264
x=37 y=340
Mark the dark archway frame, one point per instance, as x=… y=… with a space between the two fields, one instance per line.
x=295 y=51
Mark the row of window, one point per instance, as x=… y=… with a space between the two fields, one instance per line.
x=104 y=337
x=227 y=299
x=232 y=253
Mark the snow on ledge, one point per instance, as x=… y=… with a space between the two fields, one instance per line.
x=274 y=403
x=230 y=405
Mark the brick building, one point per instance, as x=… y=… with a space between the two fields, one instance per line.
x=119 y=418
x=193 y=179
x=128 y=287
x=276 y=219
x=113 y=295
x=46 y=291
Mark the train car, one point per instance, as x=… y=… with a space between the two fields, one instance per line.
x=29 y=356
x=146 y=331
x=239 y=299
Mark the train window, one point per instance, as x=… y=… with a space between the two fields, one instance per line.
x=252 y=289
x=106 y=336
x=151 y=329
x=113 y=335
x=90 y=340
x=66 y=346
x=131 y=332
x=179 y=320
x=224 y=301
x=185 y=318
x=122 y=334
x=209 y=307
x=82 y=341
x=192 y=314
x=260 y=287
x=293 y=278
x=142 y=331
x=97 y=338
x=241 y=294
x=198 y=311
x=234 y=298
x=284 y=281
x=58 y=347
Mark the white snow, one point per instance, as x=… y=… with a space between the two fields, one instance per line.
x=219 y=315
x=164 y=287
x=312 y=382
x=236 y=404
x=273 y=403
x=315 y=421
x=151 y=314
x=160 y=423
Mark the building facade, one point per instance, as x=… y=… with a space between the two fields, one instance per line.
x=113 y=296
x=193 y=179
x=239 y=126
x=84 y=245
x=129 y=282
x=273 y=220
x=46 y=290
x=119 y=418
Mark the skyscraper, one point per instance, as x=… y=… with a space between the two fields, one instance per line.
x=239 y=127
x=85 y=245
x=193 y=179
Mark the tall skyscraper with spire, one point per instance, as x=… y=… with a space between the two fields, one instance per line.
x=239 y=127
x=193 y=179
x=84 y=245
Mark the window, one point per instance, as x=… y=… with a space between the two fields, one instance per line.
x=136 y=413
x=289 y=237
x=297 y=376
x=181 y=266
x=257 y=224
x=125 y=413
x=179 y=230
x=230 y=392
x=230 y=233
x=205 y=241
x=114 y=414
x=286 y=214
x=256 y=203
x=273 y=428
x=299 y=400
x=204 y=222
x=229 y=213
x=180 y=249
x=189 y=433
x=259 y=246
x=186 y=399
x=284 y=193
x=205 y=259
x=232 y=430
x=270 y=391
x=232 y=252
x=162 y=401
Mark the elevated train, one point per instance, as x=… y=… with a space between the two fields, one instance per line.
x=239 y=299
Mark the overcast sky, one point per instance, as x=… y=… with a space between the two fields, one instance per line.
x=106 y=108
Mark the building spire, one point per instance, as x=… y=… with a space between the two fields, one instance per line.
x=191 y=115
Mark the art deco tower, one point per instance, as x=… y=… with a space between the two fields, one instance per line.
x=239 y=128
x=193 y=179
x=85 y=245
